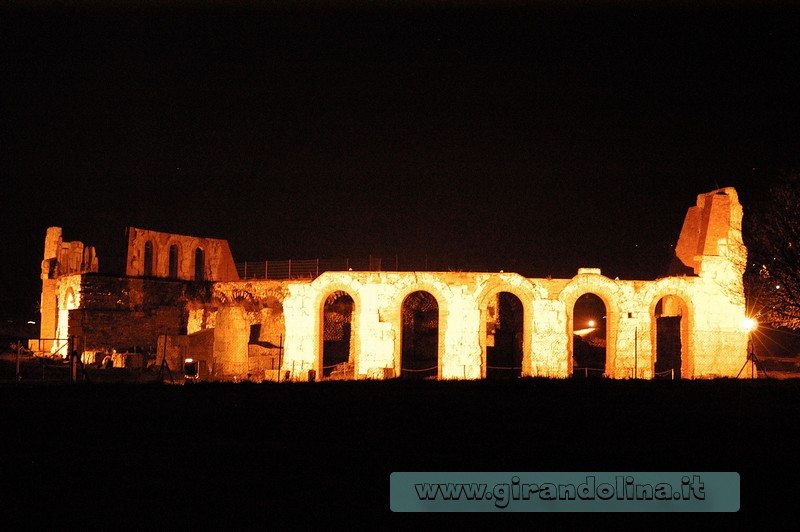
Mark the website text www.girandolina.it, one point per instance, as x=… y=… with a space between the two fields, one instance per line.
x=624 y=488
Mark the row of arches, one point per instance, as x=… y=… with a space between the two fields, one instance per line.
x=592 y=327
x=594 y=330
x=174 y=256
x=420 y=335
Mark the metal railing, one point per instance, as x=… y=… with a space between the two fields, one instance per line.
x=307 y=268
x=312 y=268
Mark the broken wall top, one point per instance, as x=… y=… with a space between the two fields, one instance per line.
x=712 y=230
x=66 y=258
x=169 y=255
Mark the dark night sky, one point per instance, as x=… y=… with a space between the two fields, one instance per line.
x=531 y=139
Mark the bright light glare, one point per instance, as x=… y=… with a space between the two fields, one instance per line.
x=189 y=361
x=591 y=323
x=749 y=324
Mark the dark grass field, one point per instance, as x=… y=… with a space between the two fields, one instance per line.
x=257 y=456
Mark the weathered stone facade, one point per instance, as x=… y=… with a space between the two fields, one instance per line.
x=62 y=264
x=187 y=258
x=251 y=328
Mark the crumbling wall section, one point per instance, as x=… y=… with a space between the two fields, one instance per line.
x=249 y=328
x=218 y=261
x=61 y=259
x=122 y=314
x=710 y=241
x=68 y=297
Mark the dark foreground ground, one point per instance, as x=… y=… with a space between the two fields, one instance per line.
x=263 y=456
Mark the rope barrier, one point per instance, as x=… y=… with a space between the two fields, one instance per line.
x=577 y=370
x=337 y=365
x=667 y=372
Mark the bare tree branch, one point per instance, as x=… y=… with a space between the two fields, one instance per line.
x=772 y=235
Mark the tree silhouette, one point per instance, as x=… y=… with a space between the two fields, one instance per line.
x=772 y=236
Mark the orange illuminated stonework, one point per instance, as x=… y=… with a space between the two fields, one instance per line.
x=182 y=297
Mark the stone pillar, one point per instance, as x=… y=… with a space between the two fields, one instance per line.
x=231 y=336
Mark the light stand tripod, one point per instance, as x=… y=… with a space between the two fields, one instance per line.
x=755 y=364
x=165 y=365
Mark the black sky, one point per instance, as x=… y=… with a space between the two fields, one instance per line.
x=532 y=138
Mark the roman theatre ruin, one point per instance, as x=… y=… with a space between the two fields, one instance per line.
x=183 y=297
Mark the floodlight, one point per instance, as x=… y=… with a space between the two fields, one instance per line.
x=749 y=324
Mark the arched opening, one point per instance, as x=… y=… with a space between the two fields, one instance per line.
x=420 y=338
x=589 y=337
x=173 y=261
x=199 y=265
x=61 y=344
x=148 y=259
x=669 y=324
x=337 y=339
x=505 y=318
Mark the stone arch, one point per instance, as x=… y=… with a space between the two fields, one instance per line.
x=673 y=302
x=589 y=336
x=64 y=306
x=421 y=336
x=607 y=291
x=421 y=285
x=70 y=300
x=337 y=349
x=321 y=296
x=526 y=296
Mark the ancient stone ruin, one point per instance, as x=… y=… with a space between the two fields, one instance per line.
x=182 y=298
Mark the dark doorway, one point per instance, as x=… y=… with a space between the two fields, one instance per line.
x=668 y=340
x=504 y=327
x=337 y=360
x=420 y=350
x=199 y=265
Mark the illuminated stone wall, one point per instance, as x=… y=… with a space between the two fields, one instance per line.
x=258 y=324
x=61 y=260
x=713 y=343
x=121 y=314
x=151 y=250
x=710 y=303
